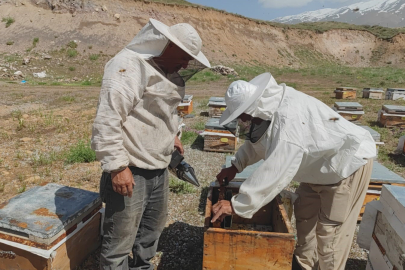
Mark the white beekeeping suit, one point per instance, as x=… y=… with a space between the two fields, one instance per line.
x=136 y=119
x=304 y=141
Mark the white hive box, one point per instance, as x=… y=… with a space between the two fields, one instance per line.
x=216 y=106
x=395 y=93
x=351 y=111
x=373 y=93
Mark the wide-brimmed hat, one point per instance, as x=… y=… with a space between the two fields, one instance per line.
x=185 y=37
x=241 y=95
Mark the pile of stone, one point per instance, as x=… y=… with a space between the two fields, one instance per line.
x=223 y=70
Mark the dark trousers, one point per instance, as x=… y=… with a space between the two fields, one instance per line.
x=133 y=223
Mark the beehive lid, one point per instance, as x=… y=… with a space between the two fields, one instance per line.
x=394 y=109
x=43 y=212
x=213 y=123
x=216 y=101
x=381 y=174
x=348 y=106
x=395 y=89
x=379 y=90
x=346 y=88
x=376 y=136
x=246 y=172
x=187 y=98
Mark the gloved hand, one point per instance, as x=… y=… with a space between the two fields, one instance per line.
x=228 y=173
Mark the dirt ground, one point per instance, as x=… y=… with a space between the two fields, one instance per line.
x=38 y=125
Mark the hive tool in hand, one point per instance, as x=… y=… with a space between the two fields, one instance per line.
x=182 y=169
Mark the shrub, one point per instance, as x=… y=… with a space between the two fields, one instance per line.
x=81 y=153
x=72 y=44
x=72 y=68
x=10 y=42
x=180 y=186
x=35 y=41
x=8 y=21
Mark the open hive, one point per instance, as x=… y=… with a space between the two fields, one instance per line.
x=266 y=241
x=351 y=111
x=391 y=116
x=49 y=227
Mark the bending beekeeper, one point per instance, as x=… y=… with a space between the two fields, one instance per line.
x=301 y=139
x=134 y=135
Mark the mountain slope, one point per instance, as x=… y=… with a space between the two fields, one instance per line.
x=390 y=13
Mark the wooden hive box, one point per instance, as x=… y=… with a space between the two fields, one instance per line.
x=265 y=242
x=395 y=93
x=380 y=176
x=391 y=116
x=49 y=227
x=186 y=105
x=373 y=93
x=218 y=138
x=345 y=93
x=216 y=106
x=351 y=111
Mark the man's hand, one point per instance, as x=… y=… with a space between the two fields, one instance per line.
x=228 y=173
x=222 y=209
x=123 y=182
x=178 y=145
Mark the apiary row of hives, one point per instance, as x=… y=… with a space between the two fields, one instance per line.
x=372 y=93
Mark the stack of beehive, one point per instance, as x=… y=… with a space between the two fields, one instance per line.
x=373 y=93
x=219 y=138
x=216 y=106
x=391 y=116
x=382 y=230
x=345 y=93
x=395 y=93
x=351 y=111
x=186 y=105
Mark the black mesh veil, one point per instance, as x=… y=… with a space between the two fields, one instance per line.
x=184 y=74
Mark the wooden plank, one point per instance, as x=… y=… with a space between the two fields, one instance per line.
x=345 y=94
x=391 y=120
x=77 y=248
x=219 y=143
x=376 y=95
x=394 y=197
x=350 y=117
x=367 y=199
x=243 y=250
x=21 y=259
x=377 y=258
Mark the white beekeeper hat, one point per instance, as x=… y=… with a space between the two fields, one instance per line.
x=241 y=95
x=184 y=36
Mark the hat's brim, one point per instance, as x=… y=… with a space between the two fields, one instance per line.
x=164 y=29
x=261 y=83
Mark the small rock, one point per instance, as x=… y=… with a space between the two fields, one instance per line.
x=18 y=73
x=74 y=14
x=25 y=116
x=104 y=8
x=47 y=56
x=25 y=139
x=117 y=16
x=26 y=60
x=75 y=79
x=97 y=10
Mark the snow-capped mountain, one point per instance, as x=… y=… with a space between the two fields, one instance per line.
x=389 y=13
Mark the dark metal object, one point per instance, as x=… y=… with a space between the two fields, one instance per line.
x=228 y=219
x=182 y=169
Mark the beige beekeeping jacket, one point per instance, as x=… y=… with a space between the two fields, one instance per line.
x=303 y=143
x=136 y=119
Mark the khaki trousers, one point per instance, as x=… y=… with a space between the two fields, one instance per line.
x=326 y=217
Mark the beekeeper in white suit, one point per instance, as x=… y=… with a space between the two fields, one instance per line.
x=301 y=139
x=134 y=135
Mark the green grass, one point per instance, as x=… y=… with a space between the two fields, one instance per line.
x=68 y=99
x=94 y=57
x=8 y=21
x=35 y=41
x=180 y=186
x=188 y=137
x=206 y=76
x=9 y=42
x=71 y=53
x=44 y=159
x=87 y=82
x=72 y=68
x=81 y=153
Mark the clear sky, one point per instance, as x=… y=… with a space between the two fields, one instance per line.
x=271 y=9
